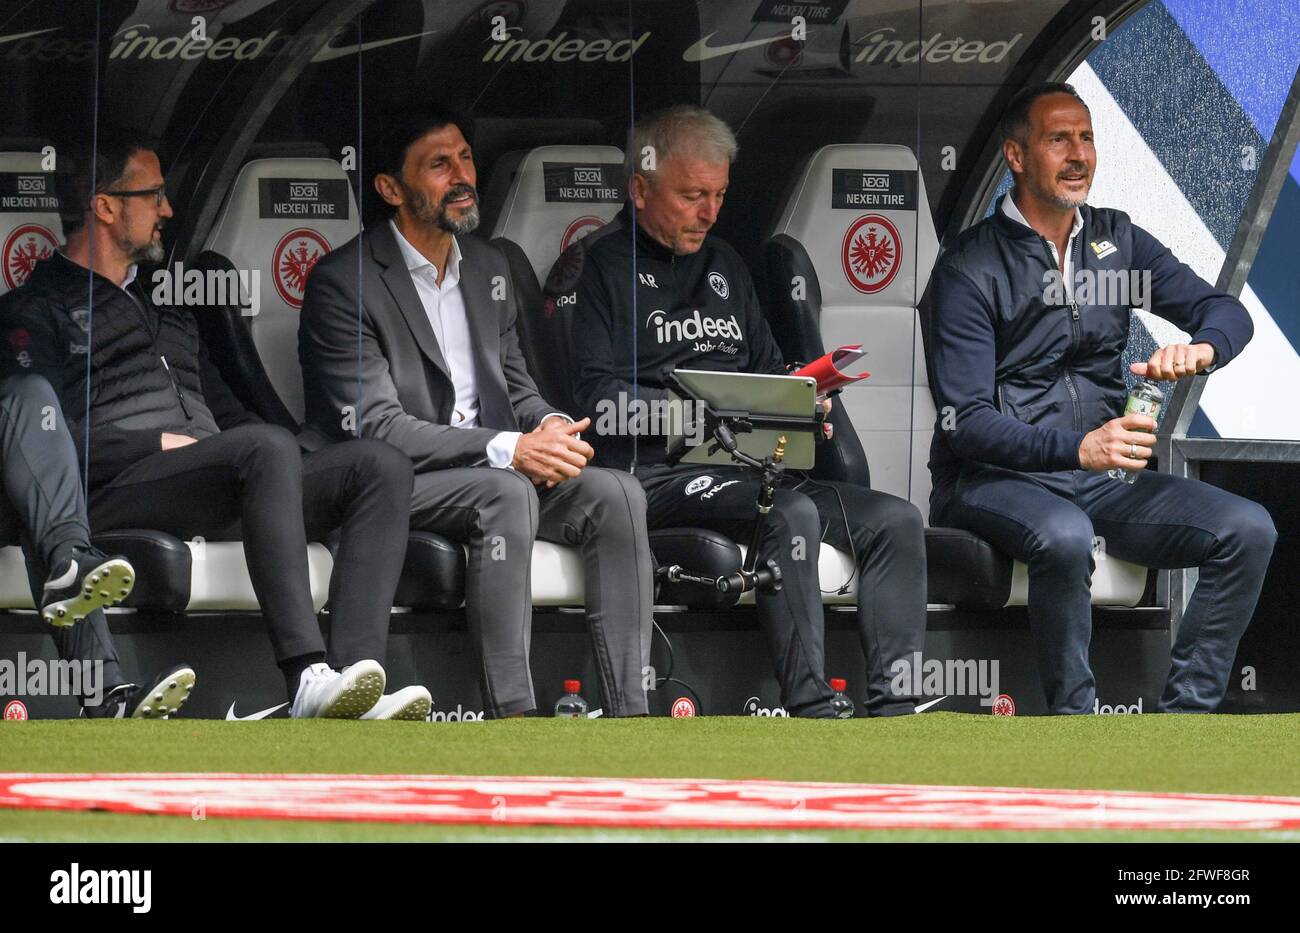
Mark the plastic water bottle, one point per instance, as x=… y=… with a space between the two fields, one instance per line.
x=841 y=703
x=571 y=705
x=1145 y=399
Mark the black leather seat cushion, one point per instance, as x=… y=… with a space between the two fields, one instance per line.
x=433 y=576
x=699 y=551
x=162 y=563
x=965 y=570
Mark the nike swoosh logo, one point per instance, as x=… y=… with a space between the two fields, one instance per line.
x=65 y=580
x=702 y=51
x=329 y=53
x=23 y=35
x=230 y=713
x=925 y=706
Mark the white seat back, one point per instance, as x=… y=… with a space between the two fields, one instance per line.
x=30 y=228
x=281 y=216
x=861 y=214
x=558 y=195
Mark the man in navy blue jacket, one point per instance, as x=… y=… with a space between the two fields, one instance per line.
x=1029 y=319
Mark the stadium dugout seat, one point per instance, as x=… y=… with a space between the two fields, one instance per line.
x=282 y=214
x=545 y=201
x=173 y=575
x=847 y=263
x=30 y=230
x=546 y=208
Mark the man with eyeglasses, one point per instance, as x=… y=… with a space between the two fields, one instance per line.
x=159 y=194
x=171 y=449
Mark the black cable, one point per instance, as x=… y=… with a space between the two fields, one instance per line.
x=633 y=157
x=90 y=273
x=361 y=154
x=843 y=589
x=672 y=663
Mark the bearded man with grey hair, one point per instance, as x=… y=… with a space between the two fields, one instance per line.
x=696 y=308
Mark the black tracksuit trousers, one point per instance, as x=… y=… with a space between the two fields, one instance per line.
x=885 y=532
x=251 y=483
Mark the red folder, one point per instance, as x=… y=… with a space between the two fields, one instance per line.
x=828 y=369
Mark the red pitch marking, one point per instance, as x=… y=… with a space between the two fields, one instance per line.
x=424 y=798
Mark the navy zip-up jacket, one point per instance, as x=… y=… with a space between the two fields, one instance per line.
x=1021 y=373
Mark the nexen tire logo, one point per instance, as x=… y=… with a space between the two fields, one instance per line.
x=693 y=327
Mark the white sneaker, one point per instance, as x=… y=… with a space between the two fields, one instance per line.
x=324 y=693
x=409 y=703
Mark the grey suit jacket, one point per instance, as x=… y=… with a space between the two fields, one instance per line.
x=372 y=348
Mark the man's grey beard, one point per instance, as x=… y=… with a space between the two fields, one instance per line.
x=426 y=213
x=467 y=223
x=153 y=252
x=1067 y=203
x=144 y=252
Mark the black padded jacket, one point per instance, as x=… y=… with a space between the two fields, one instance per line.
x=45 y=328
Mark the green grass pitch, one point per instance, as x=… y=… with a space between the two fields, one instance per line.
x=1201 y=754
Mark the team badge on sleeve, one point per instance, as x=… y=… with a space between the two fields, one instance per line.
x=719 y=284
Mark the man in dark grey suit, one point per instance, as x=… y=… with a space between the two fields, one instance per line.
x=408 y=335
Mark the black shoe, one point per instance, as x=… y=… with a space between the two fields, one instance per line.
x=165 y=696
x=818 y=709
x=86 y=581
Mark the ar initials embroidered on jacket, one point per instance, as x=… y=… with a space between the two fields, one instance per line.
x=647 y=279
x=1103 y=249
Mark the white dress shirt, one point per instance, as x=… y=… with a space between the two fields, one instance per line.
x=444 y=305
x=1009 y=208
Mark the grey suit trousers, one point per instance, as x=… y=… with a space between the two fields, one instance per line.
x=497 y=514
